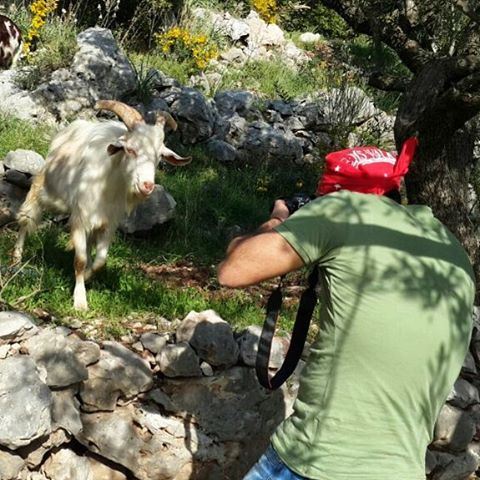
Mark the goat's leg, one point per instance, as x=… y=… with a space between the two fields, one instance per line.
x=28 y=216
x=79 y=241
x=103 y=240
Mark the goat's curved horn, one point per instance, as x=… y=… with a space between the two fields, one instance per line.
x=129 y=116
x=165 y=118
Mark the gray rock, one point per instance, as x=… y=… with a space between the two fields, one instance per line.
x=15 y=326
x=162 y=399
x=456 y=467
x=35 y=452
x=153 y=341
x=194 y=116
x=294 y=124
x=454 y=429
x=118 y=373
x=463 y=394
x=99 y=70
x=66 y=411
x=263 y=34
x=52 y=351
x=309 y=37
x=179 y=360
x=248 y=345
x=229 y=102
x=469 y=366
x=24 y=406
x=270 y=145
x=285 y=109
x=207 y=369
x=25 y=161
x=85 y=351
x=226 y=24
x=221 y=151
x=232 y=408
x=11 y=198
x=157 y=209
x=4 y=350
x=233 y=55
x=67 y=465
x=117 y=437
x=18 y=103
x=19 y=179
x=100 y=471
x=160 y=81
x=236 y=130
x=10 y=465
x=210 y=336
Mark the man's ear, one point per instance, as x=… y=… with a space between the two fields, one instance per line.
x=173 y=158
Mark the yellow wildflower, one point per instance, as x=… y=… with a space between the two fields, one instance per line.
x=267 y=9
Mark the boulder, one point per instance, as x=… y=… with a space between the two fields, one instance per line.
x=463 y=394
x=157 y=209
x=454 y=429
x=194 y=116
x=153 y=341
x=99 y=70
x=120 y=436
x=15 y=326
x=24 y=406
x=66 y=410
x=10 y=465
x=221 y=151
x=210 y=336
x=25 y=161
x=52 y=351
x=119 y=373
x=179 y=360
x=11 y=198
x=67 y=465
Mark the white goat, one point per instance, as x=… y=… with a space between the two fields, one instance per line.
x=10 y=42
x=97 y=172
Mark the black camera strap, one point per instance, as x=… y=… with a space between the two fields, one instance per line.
x=307 y=304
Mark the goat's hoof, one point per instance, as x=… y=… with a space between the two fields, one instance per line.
x=80 y=305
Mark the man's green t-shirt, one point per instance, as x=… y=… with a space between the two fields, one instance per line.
x=395 y=323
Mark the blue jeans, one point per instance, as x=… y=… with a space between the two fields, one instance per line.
x=270 y=467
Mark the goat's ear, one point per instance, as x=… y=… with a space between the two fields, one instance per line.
x=122 y=144
x=173 y=158
x=114 y=148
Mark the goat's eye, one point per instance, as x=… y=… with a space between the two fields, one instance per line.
x=131 y=151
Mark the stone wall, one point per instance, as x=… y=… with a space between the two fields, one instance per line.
x=183 y=405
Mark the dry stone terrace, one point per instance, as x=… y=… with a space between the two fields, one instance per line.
x=167 y=406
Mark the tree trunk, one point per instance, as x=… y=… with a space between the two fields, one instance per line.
x=440 y=175
x=443 y=181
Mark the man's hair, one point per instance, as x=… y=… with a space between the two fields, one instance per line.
x=394 y=195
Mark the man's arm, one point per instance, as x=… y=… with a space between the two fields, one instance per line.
x=263 y=255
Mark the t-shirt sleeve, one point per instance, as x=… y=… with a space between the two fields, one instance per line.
x=316 y=230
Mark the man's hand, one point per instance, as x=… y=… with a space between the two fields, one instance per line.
x=280 y=210
x=254 y=258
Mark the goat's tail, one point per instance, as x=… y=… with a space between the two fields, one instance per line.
x=29 y=215
x=30 y=212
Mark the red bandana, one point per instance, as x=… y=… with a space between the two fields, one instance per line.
x=366 y=169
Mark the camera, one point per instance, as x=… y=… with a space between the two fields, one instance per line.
x=297 y=200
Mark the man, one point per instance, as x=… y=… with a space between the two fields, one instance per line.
x=395 y=322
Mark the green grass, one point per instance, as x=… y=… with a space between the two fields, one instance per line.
x=16 y=133
x=212 y=199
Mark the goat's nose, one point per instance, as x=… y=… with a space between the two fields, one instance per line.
x=147 y=188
